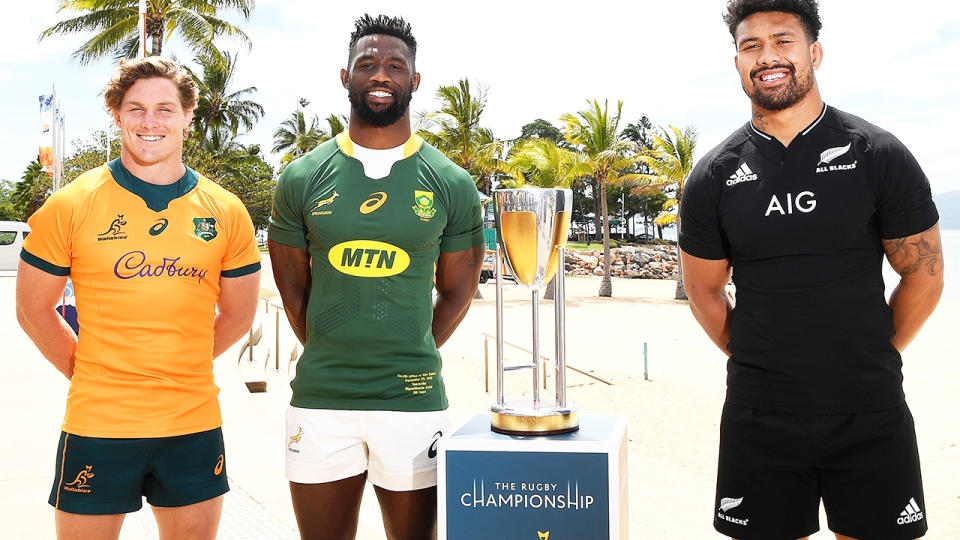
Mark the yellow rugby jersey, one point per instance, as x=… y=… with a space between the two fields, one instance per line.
x=146 y=263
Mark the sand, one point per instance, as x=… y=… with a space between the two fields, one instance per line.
x=672 y=417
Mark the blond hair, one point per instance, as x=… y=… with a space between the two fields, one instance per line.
x=129 y=72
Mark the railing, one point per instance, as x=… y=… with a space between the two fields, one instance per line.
x=486 y=363
x=254 y=335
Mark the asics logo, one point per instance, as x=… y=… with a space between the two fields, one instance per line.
x=742 y=174
x=375 y=201
x=218 y=468
x=159 y=226
x=432 y=452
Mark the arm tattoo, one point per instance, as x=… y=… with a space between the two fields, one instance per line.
x=920 y=252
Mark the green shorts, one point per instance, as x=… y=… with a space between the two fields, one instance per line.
x=98 y=476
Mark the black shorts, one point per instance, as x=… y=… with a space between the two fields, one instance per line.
x=111 y=476
x=776 y=467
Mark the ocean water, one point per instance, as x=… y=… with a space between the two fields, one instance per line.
x=951 y=267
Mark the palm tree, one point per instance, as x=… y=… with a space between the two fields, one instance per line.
x=114 y=25
x=217 y=106
x=455 y=130
x=337 y=123
x=220 y=155
x=298 y=135
x=595 y=131
x=32 y=190
x=542 y=163
x=671 y=160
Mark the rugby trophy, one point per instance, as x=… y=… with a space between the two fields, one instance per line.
x=532 y=227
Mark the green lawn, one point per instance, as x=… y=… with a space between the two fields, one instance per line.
x=580 y=246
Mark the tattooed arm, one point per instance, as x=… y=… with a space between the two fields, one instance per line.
x=291 y=272
x=919 y=261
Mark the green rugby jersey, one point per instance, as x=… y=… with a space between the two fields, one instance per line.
x=373 y=245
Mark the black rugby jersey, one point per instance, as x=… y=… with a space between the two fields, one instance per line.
x=802 y=228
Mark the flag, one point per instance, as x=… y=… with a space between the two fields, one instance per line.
x=46 y=132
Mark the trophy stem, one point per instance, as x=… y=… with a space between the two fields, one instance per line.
x=560 y=330
x=499 y=274
x=536 y=347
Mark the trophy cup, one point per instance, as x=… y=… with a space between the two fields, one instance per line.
x=532 y=226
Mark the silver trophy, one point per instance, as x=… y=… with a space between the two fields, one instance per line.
x=532 y=227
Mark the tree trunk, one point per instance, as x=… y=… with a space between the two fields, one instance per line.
x=598 y=208
x=606 y=285
x=156 y=42
x=681 y=292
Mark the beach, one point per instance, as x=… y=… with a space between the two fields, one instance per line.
x=672 y=418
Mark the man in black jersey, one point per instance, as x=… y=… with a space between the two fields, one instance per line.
x=802 y=203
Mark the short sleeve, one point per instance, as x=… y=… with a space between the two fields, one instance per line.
x=242 y=256
x=49 y=244
x=464 y=228
x=700 y=233
x=286 y=220
x=905 y=205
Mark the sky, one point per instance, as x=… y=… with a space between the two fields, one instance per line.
x=892 y=63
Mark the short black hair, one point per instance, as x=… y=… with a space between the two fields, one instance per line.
x=389 y=26
x=806 y=10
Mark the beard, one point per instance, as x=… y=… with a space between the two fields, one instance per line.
x=799 y=85
x=384 y=117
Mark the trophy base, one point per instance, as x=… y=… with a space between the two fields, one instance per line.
x=523 y=418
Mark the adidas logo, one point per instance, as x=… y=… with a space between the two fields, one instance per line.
x=743 y=174
x=910 y=513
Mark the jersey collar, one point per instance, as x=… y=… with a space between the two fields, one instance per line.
x=410 y=147
x=157 y=198
x=803 y=132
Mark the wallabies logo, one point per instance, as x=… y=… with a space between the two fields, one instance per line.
x=115 y=231
x=79 y=484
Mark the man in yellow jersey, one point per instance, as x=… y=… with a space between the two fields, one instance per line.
x=362 y=229
x=166 y=273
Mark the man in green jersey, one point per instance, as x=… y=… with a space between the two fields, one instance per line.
x=363 y=228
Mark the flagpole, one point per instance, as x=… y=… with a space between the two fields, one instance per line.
x=142 y=28
x=56 y=140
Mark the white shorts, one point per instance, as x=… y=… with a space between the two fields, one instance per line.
x=397 y=449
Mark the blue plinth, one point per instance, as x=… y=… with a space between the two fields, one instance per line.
x=526 y=488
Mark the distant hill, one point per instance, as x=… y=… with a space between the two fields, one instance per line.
x=948 y=204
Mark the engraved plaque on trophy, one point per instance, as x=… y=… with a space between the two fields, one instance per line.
x=532 y=226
